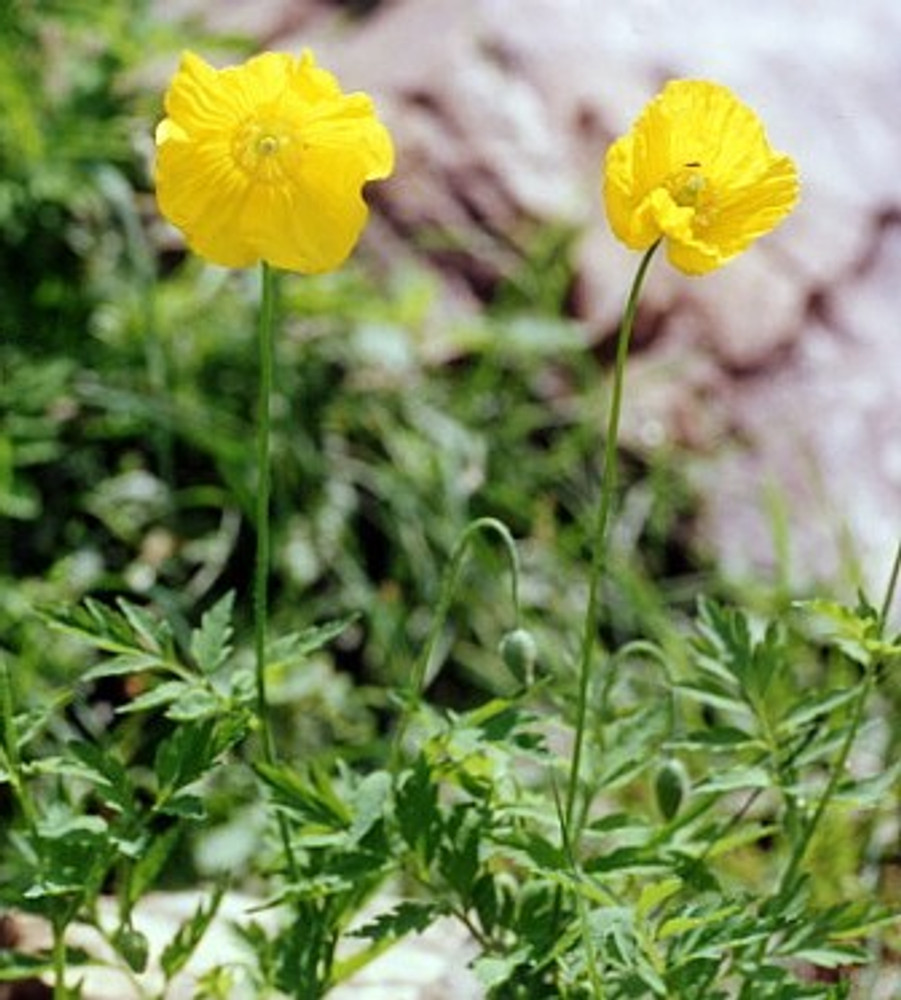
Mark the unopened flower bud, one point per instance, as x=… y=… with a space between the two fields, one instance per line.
x=133 y=947
x=520 y=653
x=671 y=785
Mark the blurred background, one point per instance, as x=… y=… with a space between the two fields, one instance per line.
x=778 y=375
x=458 y=366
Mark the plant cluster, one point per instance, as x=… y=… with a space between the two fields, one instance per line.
x=390 y=665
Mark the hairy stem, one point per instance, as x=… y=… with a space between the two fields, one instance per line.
x=59 y=960
x=9 y=747
x=599 y=550
x=261 y=565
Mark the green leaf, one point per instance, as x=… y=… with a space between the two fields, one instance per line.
x=184 y=806
x=833 y=957
x=859 y=919
x=633 y=741
x=185 y=755
x=618 y=821
x=64 y=826
x=727 y=647
x=314 y=800
x=153 y=633
x=162 y=694
x=814 y=706
x=655 y=893
x=195 y=704
x=725 y=640
x=745 y=835
x=369 y=804
x=211 y=643
x=416 y=808
x=76 y=852
x=716 y=738
x=288 y=649
x=96 y=623
x=108 y=774
x=854 y=631
x=150 y=863
x=130 y=631
x=405 y=918
x=715 y=699
x=459 y=852
x=869 y=792
x=493 y=971
x=16 y=966
x=625 y=859
x=734 y=779
x=536 y=851
x=179 y=950
x=124 y=663
x=687 y=922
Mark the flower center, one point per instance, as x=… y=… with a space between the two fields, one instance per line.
x=689 y=188
x=260 y=147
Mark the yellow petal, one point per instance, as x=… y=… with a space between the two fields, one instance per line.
x=200 y=193
x=746 y=212
x=631 y=223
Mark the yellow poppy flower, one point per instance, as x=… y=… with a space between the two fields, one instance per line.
x=266 y=161
x=697 y=171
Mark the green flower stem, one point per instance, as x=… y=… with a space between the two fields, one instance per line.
x=9 y=747
x=261 y=565
x=866 y=688
x=890 y=591
x=60 y=992
x=591 y=961
x=599 y=551
x=420 y=668
x=158 y=381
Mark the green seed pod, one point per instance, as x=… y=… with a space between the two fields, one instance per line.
x=671 y=785
x=132 y=946
x=520 y=654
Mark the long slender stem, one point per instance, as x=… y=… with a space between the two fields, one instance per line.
x=158 y=381
x=60 y=992
x=890 y=590
x=261 y=565
x=591 y=961
x=599 y=551
x=9 y=747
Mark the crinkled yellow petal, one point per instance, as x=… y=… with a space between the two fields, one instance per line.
x=695 y=121
x=676 y=223
x=696 y=170
x=632 y=222
x=267 y=161
x=694 y=257
x=199 y=191
x=310 y=225
x=745 y=212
